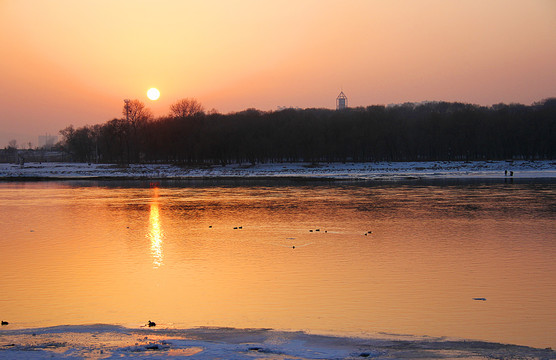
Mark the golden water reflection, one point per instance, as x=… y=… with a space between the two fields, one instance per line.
x=156 y=235
x=178 y=257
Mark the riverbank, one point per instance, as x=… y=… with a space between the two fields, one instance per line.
x=111 y=341
x=331 y=171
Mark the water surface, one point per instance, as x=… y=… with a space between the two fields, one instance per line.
x=302 y=257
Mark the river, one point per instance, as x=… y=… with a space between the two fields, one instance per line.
x=461 y=259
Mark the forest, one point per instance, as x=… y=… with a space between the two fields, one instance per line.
x=427 y=131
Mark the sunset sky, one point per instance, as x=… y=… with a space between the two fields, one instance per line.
x=73 y=62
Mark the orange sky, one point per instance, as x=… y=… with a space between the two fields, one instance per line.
x=73 y=62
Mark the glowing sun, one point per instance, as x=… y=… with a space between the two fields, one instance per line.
x=153 y=93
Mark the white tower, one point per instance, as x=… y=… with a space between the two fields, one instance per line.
x=341 y=101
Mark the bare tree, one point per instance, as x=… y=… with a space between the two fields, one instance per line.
x=186 y=107
x=136 y=113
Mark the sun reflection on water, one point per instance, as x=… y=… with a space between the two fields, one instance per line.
x=156 y=235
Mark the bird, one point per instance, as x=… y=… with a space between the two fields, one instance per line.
x=4 y=323
x=151 y=323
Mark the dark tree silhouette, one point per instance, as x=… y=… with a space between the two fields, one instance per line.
x=186 y=107
x=136 y=116
x=406 y=132
x=136 y=113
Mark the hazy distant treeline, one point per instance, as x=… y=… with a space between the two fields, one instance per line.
x=408 y=132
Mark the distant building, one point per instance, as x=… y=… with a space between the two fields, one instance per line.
x=341 y=101
x=47 y=141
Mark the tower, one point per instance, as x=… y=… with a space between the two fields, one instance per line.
x=341 y=101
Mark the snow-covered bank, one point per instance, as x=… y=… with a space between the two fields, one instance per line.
x=336 y=171
x=109 y=341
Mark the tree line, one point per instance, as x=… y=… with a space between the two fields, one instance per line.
x=408 y=132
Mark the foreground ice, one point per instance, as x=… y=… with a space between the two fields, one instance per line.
x=110 y=341
x=337 y=171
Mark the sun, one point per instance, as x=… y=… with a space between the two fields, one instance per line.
x=153 y=93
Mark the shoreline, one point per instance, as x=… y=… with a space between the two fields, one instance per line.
x=380 y=171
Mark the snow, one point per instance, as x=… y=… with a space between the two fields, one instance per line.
x=330 y=171
x=112 y=341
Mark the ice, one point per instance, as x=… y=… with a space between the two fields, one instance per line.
x=333 y=171
x=111 y=341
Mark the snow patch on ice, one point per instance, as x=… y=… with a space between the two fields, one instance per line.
x=110 y=341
